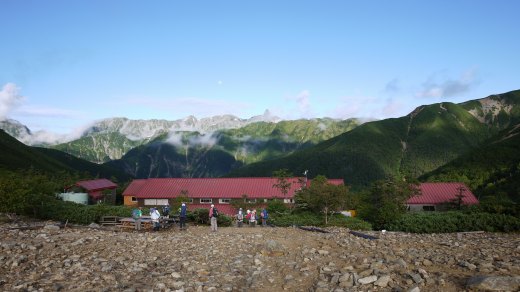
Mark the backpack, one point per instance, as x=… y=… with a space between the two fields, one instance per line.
x=166 y=210
x=135 y=213
x=215 y=212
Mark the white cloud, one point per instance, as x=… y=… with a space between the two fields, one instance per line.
x=294 y=107
x=355 y=107
x=322 y=126
x=46 y=137
x=303 y=101
x=177 y=139
x=208 y=140
x=9 y=99
x=440 y=86
x=393 y=108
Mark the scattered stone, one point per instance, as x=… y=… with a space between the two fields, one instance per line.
x=367 y=280
x=383 y=281
x=468 y=265
x=416 y=278
x=259 y=259
x=323 y=252
x=494 y=283
x=51 y=227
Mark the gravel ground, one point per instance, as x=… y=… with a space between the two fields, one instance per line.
x=79 y=258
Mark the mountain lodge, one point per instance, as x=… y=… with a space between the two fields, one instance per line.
x=202 y=192
x=435 y=195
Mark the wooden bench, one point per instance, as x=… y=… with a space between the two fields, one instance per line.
x=110 y=220
x=129 y=223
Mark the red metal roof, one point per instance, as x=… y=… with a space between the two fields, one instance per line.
x=256 y=187
x=437 y=193
x=96 y=184
x=134 y=187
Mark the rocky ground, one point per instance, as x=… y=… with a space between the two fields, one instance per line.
x=253 y=259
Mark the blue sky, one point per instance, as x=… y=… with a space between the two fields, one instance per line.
x=64 y=64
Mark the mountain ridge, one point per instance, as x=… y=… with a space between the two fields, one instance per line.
x=407 y=147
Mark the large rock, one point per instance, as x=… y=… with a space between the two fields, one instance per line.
x=494 y=283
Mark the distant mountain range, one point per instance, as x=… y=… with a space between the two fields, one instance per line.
x=475 y=142
x=194 y=154
x=110 y=139
x=191 y=147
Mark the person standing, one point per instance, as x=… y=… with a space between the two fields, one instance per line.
x=182 y=216
x=240 y=218
x=155 y=215
x=213 y=214
x=137 y=213
x=252 y=219
x=264 y=216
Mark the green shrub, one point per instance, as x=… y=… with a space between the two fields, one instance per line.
x=454 y=221
x=224 y=220
x=276 y=206
x=301 y=219
x=199 y=216
x=312 y=219
x=77 y=213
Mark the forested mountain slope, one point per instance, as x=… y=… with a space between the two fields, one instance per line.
x=492 y=169
x=409 y=146
x=15 y=156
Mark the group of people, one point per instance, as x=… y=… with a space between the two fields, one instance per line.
x=155 y=217
x=251 y=217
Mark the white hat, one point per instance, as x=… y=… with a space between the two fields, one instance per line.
x=212 y=205
x=183 y=204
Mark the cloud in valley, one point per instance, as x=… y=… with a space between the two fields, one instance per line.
x=207 y=140
x=175 y=138
x=178 y=139
x=322 y=126
x=9 y=99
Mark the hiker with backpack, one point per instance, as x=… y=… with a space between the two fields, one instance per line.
x=240 y=218
x=166 y=211
x=264 y=216
x=213 y=214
